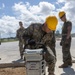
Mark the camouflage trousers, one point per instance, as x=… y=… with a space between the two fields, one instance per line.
x=53 y=49
x=51 y=60
x=66 y=51
x=21 y=49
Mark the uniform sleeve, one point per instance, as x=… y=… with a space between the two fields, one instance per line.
x=17 y=34
x=69 y=28
x=47 y=39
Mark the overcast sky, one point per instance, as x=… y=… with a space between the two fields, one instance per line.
x=28 y=11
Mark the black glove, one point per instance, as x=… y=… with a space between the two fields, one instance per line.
x=31 y=42
x=60 y=43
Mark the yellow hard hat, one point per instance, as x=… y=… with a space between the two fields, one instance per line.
x=51 y=22
x=61 y=14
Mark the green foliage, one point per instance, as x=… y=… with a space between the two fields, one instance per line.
x=8 y=39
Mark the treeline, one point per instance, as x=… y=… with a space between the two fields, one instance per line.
x=8 y=39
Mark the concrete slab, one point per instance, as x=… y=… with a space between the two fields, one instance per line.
x=9 y=53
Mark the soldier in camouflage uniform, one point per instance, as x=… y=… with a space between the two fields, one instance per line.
x=19 y=35
x=66 y=40
x=43 y=33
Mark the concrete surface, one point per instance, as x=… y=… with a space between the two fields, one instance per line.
x=9 y=53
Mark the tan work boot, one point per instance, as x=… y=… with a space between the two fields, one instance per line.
x=70 y=63
x=64 y=66
x=51 y=74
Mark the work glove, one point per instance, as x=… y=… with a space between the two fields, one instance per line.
x=61 y=43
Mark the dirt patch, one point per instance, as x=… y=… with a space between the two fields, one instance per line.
x=13 y=71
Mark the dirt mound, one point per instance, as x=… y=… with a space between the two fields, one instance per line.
x=12 y=71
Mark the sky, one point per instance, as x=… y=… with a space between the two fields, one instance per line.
x=32 y=11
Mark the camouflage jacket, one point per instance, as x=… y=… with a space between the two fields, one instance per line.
x=34 y=31
x=19 y=33
x=65 y=29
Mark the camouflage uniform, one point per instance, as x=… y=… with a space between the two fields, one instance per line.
x=66 y=43
x=53 y=43
x=19 y=36
x=34 y=31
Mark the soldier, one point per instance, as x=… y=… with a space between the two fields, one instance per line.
x=19 y=36
x=66 y=40
x=44 y=33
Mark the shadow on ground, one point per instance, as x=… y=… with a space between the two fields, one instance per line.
x=68 y=71
x=17 y=61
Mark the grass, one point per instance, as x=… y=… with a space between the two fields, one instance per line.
x=8 y=40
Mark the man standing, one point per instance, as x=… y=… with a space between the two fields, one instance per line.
x=43 y=33
x=19 y=35
x=66 y=40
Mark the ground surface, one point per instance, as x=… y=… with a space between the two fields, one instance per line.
x=12 y=71
x=9 y=53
